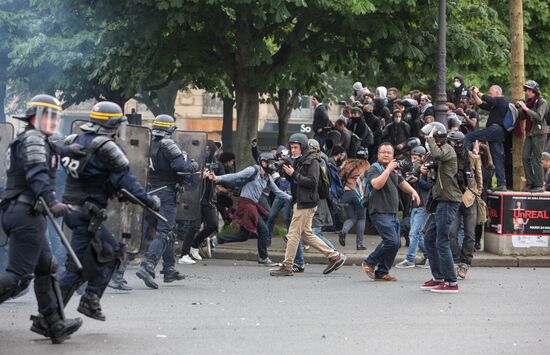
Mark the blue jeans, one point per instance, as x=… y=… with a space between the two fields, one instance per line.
x=416 y=239
x=387 y=225
x=278 y=205
x=438 y=243
x=494 y=134
x=299 y=258
x=243 y=235
x=163 y=244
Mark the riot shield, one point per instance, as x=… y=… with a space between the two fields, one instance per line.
x=6 y=137
x=194 y=144
x=124 y=219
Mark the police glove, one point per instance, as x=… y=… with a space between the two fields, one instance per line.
x=59 y=209
x=76 y=151
x=194 y=165
x=154 y=203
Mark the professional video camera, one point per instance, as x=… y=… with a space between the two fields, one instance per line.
x=212 y=166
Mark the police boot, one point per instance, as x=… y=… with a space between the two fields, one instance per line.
x=146 y=272
x=89 y=306
x=54 y=327
x=171 y=275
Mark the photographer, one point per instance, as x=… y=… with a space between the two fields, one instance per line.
x=533 y=111
x=280 y=203
x=494 y=131
x=248 y=213
x=305 y=175
x=470 y=181
x=384 y=183
x=418 y=178
x=446 y=196
x=321 y=120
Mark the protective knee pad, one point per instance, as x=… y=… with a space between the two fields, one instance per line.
x=11 y=285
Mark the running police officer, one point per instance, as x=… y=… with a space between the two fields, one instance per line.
x=91 y=181
x=31 y=167
x=167 y=168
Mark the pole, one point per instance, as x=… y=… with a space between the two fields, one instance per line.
x=441 y=97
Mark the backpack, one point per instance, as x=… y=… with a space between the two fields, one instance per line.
x=336 y=186
x=238 y=185
x=354 y=146
x=510 y=118
x=324 y=181
x=547 y=115
x=368 y=187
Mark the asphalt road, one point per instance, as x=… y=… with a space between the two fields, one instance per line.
x=227 y=307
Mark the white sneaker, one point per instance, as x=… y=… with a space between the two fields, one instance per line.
x=186 y=259
x=195 y=254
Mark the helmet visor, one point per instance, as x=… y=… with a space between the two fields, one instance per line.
x=48 y=120
x=122 y=131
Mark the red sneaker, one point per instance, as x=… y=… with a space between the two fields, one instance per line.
x=428 y=285
x=445 y=288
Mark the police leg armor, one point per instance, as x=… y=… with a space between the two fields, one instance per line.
x=51 y=323
x=169 y=271
x=11 y=285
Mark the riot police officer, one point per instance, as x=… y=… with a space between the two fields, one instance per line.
x=91 y=181
x=167 y=160
x=31 y=166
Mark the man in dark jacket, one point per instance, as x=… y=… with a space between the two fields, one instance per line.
x=460 y=91
x=320 y=119
x=494 y=133
x=397 y=132
x=305 y=177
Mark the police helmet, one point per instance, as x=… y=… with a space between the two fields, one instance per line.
x=440 y=130
x=107 y=114
x=313 y=144
x=164 y=124
x=412 y=142
x=362 y=153
x=299 y=138
x=420 y=151
x=533 y=85
x=409 y=103
x=45 y=108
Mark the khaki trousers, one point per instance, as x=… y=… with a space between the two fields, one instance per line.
x=300 y=228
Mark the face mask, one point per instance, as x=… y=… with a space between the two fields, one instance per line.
x=457 y=84
x=397 y=119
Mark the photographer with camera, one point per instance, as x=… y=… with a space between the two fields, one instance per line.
x=534 y=112
x=417 y=177
x=383 y=203
x=280 y=203
x=470 y=181
x=248 y=213
x=321 y=121
x=446 y=197
x=494 y=132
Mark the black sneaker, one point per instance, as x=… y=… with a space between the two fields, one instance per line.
x=477 y=245
x=90 y=307
x=342 y=238
x=268 y=262
x=298 y=269
x=171 y=275
x=536 y=189
x=335 y=263
x=361 y=247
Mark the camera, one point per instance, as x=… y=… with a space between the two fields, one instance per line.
x=404 y=165
x=279 y=163
x=518 y=106
x=212 y=166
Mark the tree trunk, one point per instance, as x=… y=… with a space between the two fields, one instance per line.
x=248 y=108
x=287 y=102
x=227 y=128
x=2 y=101
x=518 y=79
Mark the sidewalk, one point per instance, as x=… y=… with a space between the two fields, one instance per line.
x=248 y=251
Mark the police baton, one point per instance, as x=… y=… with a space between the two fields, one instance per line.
x=127 y=194
x=157 y=190
x=57 y=228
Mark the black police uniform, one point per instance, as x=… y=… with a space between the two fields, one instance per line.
x=91 y=181
x=30 y=175
x=167 y=160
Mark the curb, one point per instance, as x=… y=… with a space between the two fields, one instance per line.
x=353 y=259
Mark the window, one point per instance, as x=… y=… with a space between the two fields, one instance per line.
x=211 y=105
